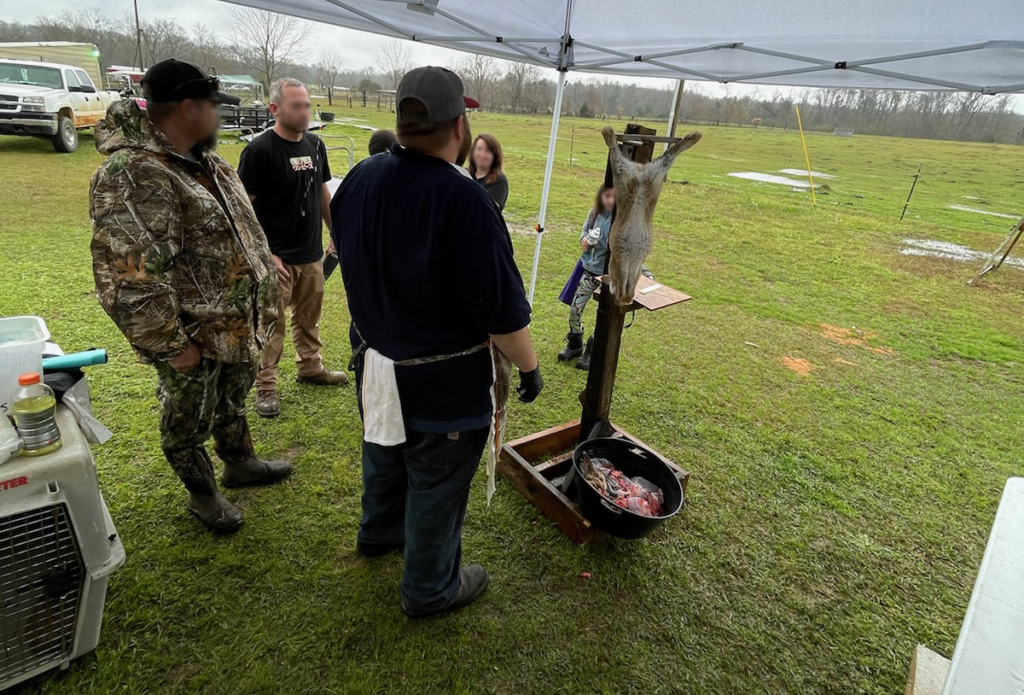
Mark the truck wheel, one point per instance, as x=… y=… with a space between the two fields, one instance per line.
x=66 y=139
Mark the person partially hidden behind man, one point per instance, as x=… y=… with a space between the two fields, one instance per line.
x=430 y=280
x=184 y=271
x=285 y=171
x=380 y=143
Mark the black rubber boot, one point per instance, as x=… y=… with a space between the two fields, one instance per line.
x=195 y=470
x=573 y=347
x=241 y=466
x=474 y=582
x=584 y=361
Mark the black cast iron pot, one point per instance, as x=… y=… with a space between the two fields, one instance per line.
x=633 y=460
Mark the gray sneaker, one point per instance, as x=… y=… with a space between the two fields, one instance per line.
x=268 y=404
x=474 y=582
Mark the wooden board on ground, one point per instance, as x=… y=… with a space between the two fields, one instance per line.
x=536 y=464
x=927 y=672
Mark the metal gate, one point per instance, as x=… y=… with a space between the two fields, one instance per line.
x=41 y=582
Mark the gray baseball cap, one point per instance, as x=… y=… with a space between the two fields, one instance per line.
x=439 y=90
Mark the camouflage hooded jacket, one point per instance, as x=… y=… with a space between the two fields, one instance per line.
x=177 y=252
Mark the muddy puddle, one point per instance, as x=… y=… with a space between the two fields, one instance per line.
x=965 y=208
x=950 y=251
x=803 y=172
x=769 y=178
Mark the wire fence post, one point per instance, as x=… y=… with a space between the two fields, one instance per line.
x=912 y=187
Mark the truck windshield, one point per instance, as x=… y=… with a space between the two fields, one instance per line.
x=26 y=73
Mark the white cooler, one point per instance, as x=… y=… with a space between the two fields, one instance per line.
x=21 y=350
x=58 y=546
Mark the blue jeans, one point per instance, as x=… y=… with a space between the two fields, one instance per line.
x=415 y=494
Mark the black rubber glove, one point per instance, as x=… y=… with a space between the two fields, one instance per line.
x=530 y=385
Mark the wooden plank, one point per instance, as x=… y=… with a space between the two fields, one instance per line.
x=632 y=138
x=548 y=500
x=554 y=440
x=659 y=298
x=554 y=467
x=928 y=672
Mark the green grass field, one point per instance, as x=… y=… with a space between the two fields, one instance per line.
x=836 y=517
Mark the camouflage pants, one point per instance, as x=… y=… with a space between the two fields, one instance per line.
x=209 y=399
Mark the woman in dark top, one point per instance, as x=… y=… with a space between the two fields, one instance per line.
x=485 y=167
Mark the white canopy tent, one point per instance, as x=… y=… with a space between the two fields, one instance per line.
x=962 y=45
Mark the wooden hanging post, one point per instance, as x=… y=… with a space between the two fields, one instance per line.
x=604 y=361
x=537 y=465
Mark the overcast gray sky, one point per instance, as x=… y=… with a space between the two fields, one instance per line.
x=358 y=47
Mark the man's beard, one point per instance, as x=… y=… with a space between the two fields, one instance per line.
x=296 y=126
x=209 y=142
x=467 y=143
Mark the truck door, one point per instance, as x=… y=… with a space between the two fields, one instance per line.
x=92 y=96
x=78 y=101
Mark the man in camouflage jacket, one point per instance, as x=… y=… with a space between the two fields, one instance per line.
x=183 y=269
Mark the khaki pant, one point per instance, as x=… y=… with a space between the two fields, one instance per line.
x=303 y=293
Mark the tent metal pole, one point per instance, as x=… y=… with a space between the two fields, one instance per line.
x=677 y=106
x=548 y=168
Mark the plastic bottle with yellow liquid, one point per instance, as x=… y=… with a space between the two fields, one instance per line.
x=33 y=408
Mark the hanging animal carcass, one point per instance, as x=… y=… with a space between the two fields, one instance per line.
x=637 y=187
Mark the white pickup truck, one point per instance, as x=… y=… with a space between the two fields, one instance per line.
x=49 y=100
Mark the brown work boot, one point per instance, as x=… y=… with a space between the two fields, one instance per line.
x=254 y=471
x=268 y=404
x=241 y=465
x=195 y=470
x=324 y=378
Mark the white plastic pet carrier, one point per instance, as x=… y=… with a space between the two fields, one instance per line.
x=58 y=545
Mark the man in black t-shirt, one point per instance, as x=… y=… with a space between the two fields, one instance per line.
x=285 y=172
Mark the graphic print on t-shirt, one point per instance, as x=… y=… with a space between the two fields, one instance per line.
x=301 y=163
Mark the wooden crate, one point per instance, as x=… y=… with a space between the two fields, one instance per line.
x=536 y=466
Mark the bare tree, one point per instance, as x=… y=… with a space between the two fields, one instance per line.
x=966 y=105
x=206 y=49
x=266 y=40
x=163 y=39
x=517 y=78
x=393 y=61
x=478 y=73
x=331 y=63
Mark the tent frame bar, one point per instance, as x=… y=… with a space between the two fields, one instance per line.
x=564 y=47
x=419 y=38
x=816 y=64
x=616 y=57
x=532 y=57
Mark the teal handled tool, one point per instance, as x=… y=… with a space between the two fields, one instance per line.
x=75 y=360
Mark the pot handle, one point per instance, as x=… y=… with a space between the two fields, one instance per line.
x=611 y=507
